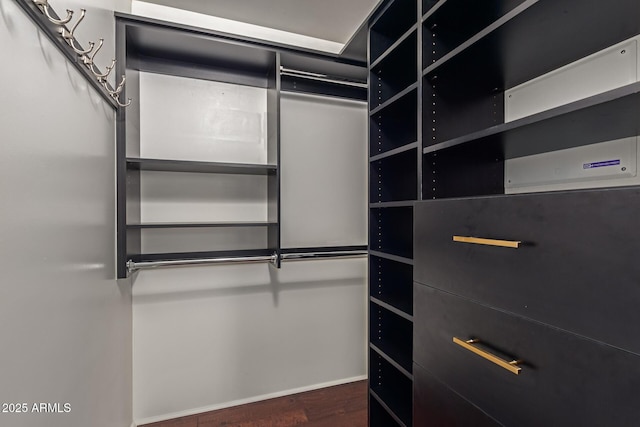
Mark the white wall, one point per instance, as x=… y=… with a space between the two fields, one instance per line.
x=212 y=337
x=65 y=322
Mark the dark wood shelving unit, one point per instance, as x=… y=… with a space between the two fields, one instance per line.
x=472 y=56
x=395 y=157
x=145 y=45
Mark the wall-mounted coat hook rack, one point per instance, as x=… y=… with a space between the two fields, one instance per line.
x=54 y=27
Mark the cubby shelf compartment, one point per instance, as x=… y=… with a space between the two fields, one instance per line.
x=389 y=27
x=392 y=334
x=391 y=388
x=570 y=125
x=380 y=415
x=393 y=74
x=391 y=127
x=452 y=22
x=391 y=231
x=200 y=224
x=394 y=179
x=391 y=282
x=515 y=47
x=395 y=151
x=200 y=167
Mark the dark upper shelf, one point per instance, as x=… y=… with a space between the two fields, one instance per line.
x=161 y=46
x=607 y=116
x=534 y=38
x=203 y=167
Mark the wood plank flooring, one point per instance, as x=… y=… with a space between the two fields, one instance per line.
x=339 y=406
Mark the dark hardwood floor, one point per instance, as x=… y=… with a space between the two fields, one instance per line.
x=339 y=406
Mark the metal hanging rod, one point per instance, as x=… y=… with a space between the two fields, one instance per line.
x=320 y=77
x=316 y=255
x=144 y=265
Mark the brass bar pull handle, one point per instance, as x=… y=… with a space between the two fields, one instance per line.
x=469 y=345
x=489 y=242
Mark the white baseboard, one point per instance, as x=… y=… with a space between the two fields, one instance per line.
x=224 y=405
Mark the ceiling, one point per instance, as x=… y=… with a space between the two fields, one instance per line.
x=333 y=20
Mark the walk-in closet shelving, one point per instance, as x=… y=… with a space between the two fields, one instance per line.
x=464 y=91
x=560 y=62
x=395 y=91
x=198 y=151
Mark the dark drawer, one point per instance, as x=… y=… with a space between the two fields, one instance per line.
x=565 y=380
x=578 y=267
x=435 y=405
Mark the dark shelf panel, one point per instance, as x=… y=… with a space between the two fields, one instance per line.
x=394 y=152
x=391 y=308
x=391 y=361
x=199 y=255
x=199 y=224
x=394 y=179
x=575 y=124
x=380 y=415
x=391 y=231
x=396 y=125
x=396 y=72
x=394 y=21
x=391 y=283
x=391 y=257
x=453 y=22
x=201 y=167
x=391 y=333
x=516 y=47
x=400 y=204
x=391 y=388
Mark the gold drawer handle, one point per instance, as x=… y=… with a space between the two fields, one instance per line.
x=509 y=366
x=490 y=242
